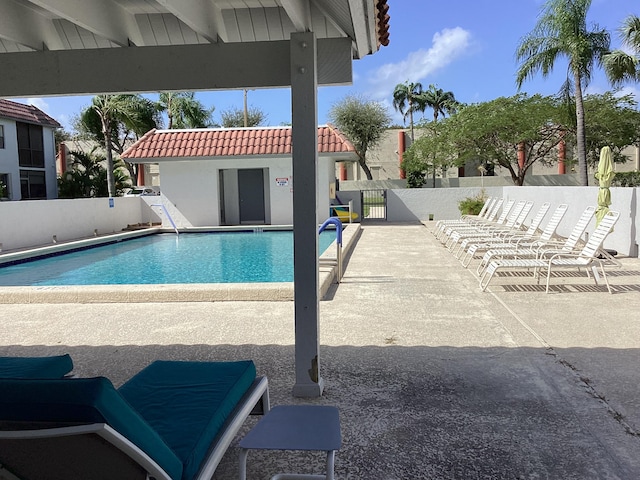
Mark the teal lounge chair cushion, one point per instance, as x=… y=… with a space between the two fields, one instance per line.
x=83 y=400
x=35 y=367
x=188 y=402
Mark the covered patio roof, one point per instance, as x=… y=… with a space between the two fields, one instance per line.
x=69 y=47
x=62 y=47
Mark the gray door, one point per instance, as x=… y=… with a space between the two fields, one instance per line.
x=251 y=192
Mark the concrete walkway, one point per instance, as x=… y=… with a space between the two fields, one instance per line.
x=433 y=378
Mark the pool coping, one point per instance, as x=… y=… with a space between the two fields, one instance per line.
x=194 y=292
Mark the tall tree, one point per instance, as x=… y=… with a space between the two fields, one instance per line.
x=439 y=101
x=235 y=117
x=489 y=132
x=561 y=31
x=112 y=120
x=620 y=65
x=363 y=122
x=614 y=121
x=184 y=111
x=432 y=151
x=407 y=98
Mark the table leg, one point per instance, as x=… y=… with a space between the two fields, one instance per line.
x=331 y=457
x=243 y=463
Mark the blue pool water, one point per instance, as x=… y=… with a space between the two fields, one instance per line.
x=234 y=257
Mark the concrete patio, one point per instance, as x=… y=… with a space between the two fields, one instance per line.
x=433 y=378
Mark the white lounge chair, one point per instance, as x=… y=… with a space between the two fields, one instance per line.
x=506 y=221
x=484 y=212
x=534 y=249
x=587 y=258
x=472 y=246
x=491 y=214
x=513 y=227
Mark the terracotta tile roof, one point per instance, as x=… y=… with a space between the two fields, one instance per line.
x=26 y=113
x=382 y=24
x=226 y=142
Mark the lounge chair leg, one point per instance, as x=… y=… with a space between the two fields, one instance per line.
x=243 y=463
x=606 y=279
x=490 y=270
x=548 y=278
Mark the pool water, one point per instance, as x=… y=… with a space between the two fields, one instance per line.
x=229 y=257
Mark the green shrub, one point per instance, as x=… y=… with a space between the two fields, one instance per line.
x=626 y=179
x=471 y=205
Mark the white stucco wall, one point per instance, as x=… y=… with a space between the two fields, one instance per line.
x=190 y=190
x=417 y=204
x=624 y=238
x=34 y=223
x=9 y=158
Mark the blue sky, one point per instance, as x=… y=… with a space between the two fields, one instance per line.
x=463 y=46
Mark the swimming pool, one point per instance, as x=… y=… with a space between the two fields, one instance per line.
x=220 y=257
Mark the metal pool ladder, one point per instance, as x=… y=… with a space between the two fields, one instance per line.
x=166 y=212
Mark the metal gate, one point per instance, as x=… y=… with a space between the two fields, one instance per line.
x=374 y=204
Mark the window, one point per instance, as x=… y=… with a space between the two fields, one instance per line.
x=32 y=184
x=1 y=136
x=30 y=145
x=4 y=185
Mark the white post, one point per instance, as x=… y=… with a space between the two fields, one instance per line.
x=304 y=104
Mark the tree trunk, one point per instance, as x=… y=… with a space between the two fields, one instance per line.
x=411 y=121
x=111 y=182
x=365 y=167
x=580 y=134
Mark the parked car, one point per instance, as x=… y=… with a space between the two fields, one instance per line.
x=142 y=192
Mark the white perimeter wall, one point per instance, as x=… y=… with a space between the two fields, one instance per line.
x=417 y=204
x=34 y=223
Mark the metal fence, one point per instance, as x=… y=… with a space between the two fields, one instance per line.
x=374 y=204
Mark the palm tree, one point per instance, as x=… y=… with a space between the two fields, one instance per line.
x=132 y=112
x=561 y=31
x=408 y=95
x=620 y=65
x=440 y=101
x=184 y=111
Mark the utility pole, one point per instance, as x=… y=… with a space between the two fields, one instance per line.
x=246 y=119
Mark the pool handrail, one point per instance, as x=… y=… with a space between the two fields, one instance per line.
x=166 y=212
x=338 y=224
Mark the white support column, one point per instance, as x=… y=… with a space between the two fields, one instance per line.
x=304 y=104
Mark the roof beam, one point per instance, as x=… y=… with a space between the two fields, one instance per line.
x=299 y=12
x=360 y=18
x=202 y=16
x=105 y=18
x=26 y=27
x=192 y=67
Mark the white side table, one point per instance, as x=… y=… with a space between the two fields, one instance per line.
x=295 y=427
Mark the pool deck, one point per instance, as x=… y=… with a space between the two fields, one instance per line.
x=433 y=378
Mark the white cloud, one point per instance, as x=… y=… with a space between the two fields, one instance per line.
x=38 y=103
x=448 y=45
x=630 y=90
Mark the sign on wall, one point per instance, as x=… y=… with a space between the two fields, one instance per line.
x=282 y=181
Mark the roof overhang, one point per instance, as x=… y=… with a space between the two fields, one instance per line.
x=59 y=47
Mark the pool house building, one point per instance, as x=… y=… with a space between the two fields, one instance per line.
x=236 y=176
